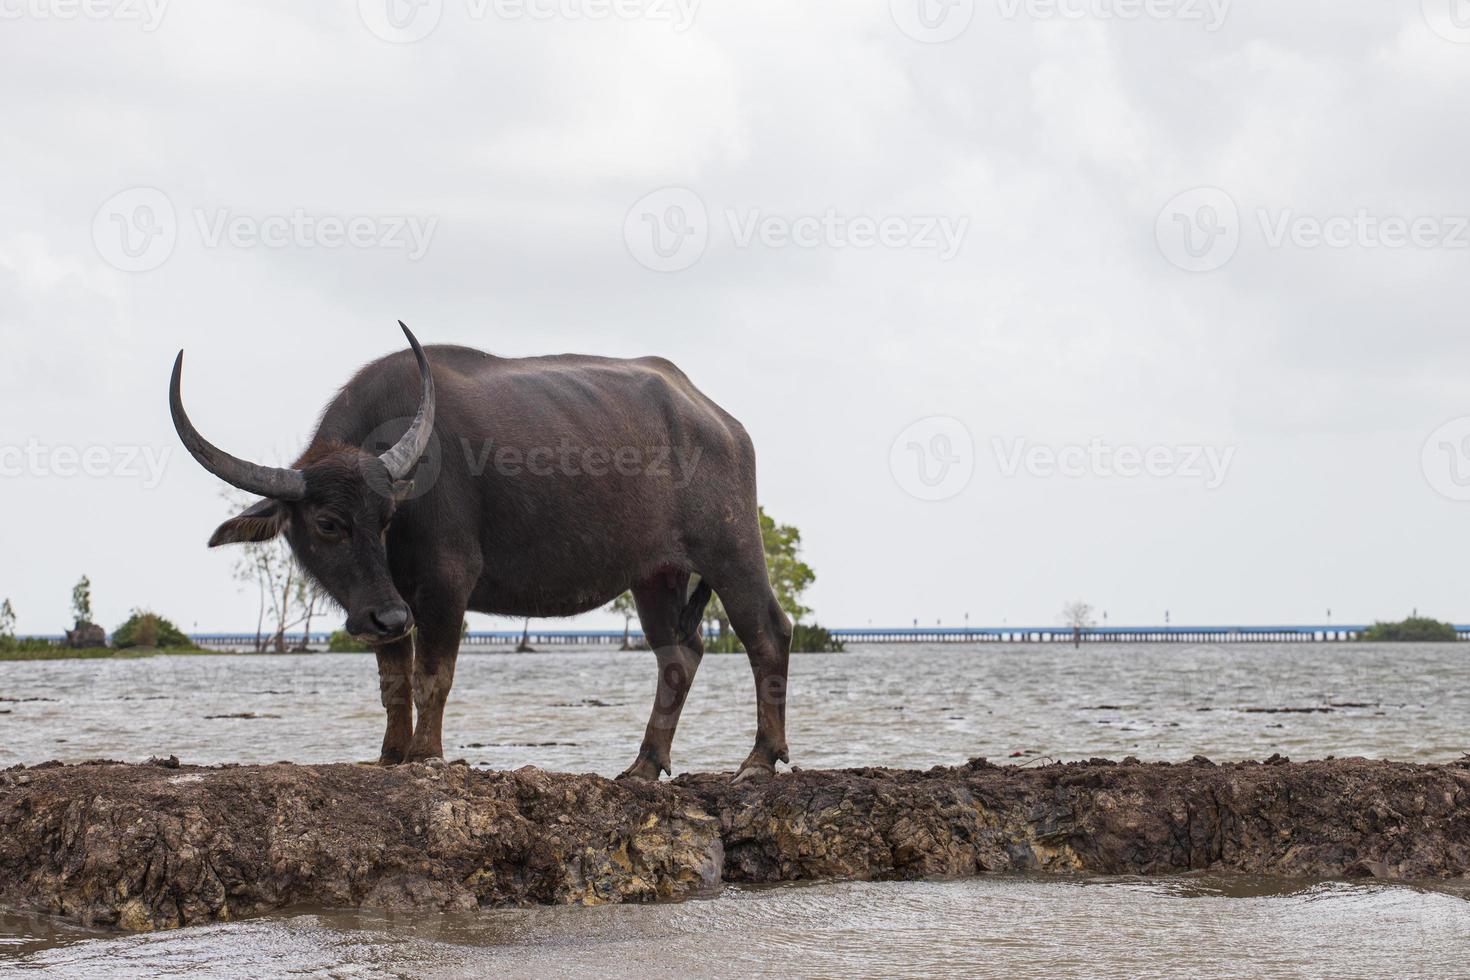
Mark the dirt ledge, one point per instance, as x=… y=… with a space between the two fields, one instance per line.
x=160 y=845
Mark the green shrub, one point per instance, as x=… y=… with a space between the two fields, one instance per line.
x=804 y=639
x=344 y=642
x=813 y=639
x=150 y=631
x=20 y=645
x=717 y=642
x=1415 y=629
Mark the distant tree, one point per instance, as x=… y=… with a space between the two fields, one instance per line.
x=811 y=638
x=312 y=602
x=287 y=598
x=624 y=606
x=790 y=578
x=81 y=601
x=7 y=620
x=1415 y=629
x=151 y=631
x=1077 y=615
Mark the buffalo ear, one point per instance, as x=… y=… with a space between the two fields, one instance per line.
x=402 y=490
x=260 y=522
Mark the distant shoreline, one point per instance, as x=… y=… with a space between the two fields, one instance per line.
x=62 y=653
x=508 y=640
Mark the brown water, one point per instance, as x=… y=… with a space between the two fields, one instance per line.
x=901 y=706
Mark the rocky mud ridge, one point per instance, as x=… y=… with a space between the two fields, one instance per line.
x=162 y=845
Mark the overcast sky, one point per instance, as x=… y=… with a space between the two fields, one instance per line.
x=1158 y=305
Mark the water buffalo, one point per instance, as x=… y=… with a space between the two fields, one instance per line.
x=539 y=486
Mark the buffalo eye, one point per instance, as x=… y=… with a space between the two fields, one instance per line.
x=328 y=527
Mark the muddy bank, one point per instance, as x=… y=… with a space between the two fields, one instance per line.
x=156 y=846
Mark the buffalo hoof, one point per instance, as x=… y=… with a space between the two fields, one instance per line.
x=422 y=753
x=644 y=770
x=752 y=771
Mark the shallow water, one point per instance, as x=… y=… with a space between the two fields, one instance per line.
x=895 y=706
x=899 y=706
x=999 y=926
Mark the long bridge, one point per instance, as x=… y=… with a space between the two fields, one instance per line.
x=559 y=637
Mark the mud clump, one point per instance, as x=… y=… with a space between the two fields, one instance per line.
x=145 y=847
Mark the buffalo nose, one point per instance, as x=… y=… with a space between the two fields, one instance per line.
x=391 y=621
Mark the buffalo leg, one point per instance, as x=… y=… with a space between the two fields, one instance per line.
x=765 y=630
x=671 y=623
x=395 y=684
x=436 y=647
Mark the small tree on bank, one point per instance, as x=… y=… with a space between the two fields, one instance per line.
x=149 y=630
x=287 y=599
x=625 y=606
x=1077 y=615
x=81 y=601
x=85 y=634
x=1415 y=629
x=790 y=578
x=7 y=620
